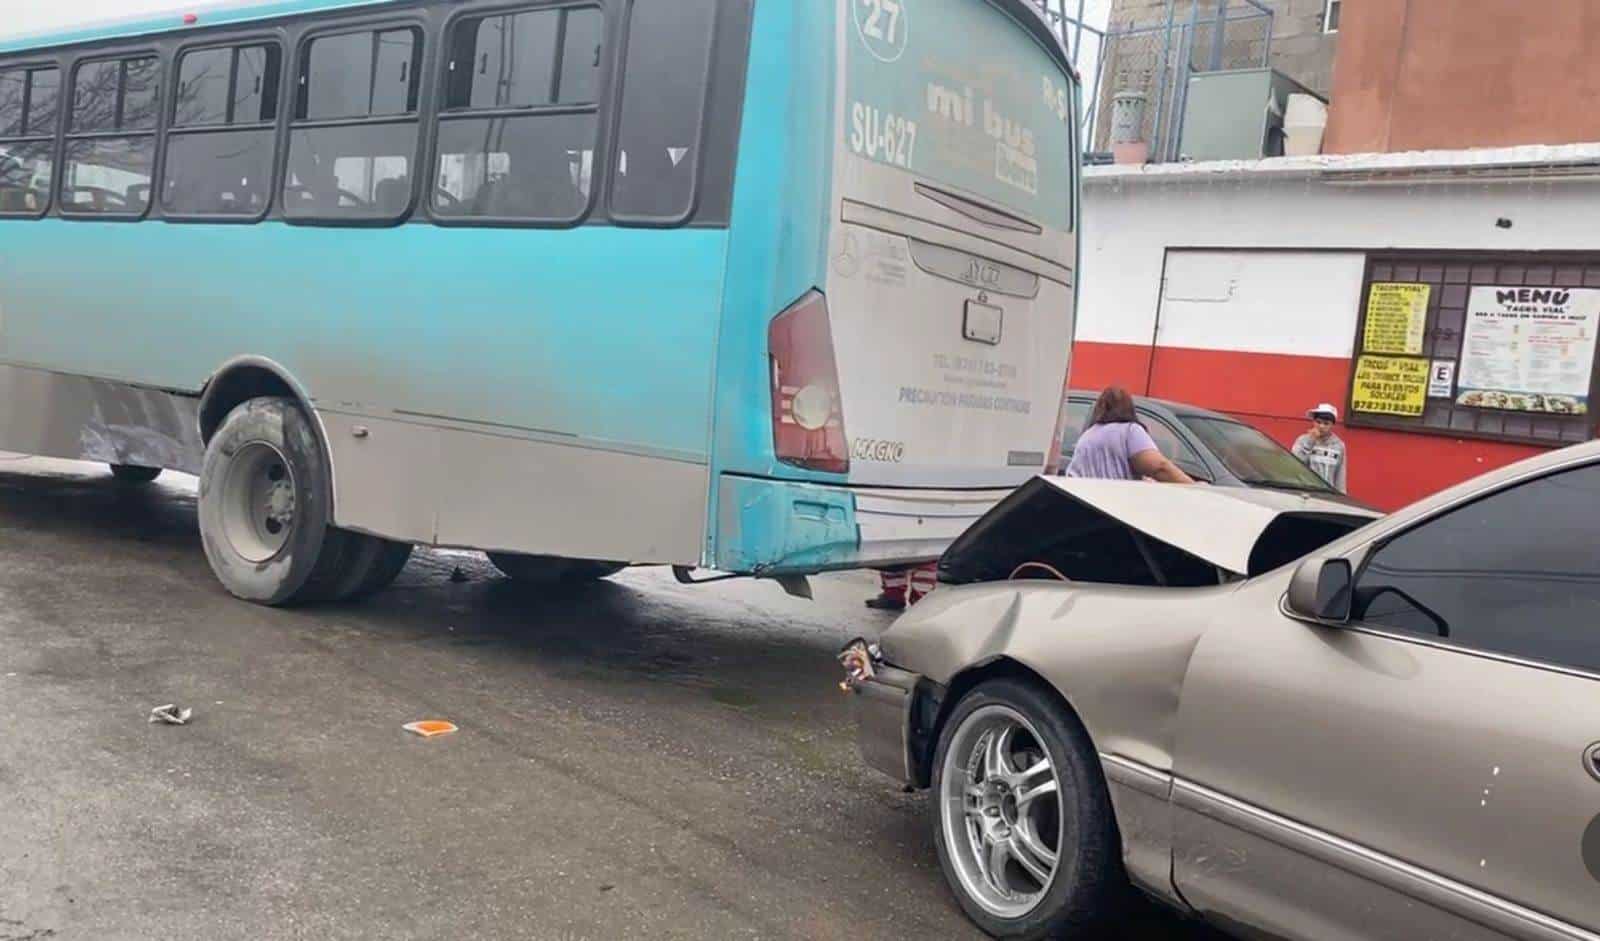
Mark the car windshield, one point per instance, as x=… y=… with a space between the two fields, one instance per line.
x=1253 y=457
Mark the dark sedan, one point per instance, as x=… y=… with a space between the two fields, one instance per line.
x=1209 y=446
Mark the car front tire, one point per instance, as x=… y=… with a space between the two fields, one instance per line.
x=1022 y=819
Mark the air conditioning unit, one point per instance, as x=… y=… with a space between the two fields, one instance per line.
x=1236 y=114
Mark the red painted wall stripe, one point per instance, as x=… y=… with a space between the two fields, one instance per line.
x=1267 y=384
x=1097 y=365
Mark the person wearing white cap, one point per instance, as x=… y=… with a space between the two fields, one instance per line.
x=1322 y=450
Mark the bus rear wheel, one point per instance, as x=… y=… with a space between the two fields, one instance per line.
x=391 y=562
x=264 y=496
x=370 y=563
x=552 y=570
x=132 y=474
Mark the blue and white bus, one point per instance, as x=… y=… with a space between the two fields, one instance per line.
x=765 y=286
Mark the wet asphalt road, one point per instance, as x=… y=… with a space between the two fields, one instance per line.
x=637 y=759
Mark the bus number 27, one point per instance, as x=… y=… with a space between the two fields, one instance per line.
x=883 y=20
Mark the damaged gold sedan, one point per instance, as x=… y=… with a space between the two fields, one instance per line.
x=1276 y=712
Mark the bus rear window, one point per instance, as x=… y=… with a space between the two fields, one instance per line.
x=222 y=139
x=28 y=102
x=663 y=107
x=355 y=127
x=111 y=143
x=520 y=120
x=520 y=60
x=960 y=94
x=359 y=75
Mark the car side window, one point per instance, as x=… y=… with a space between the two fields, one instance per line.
x=1513 y=573
x=1175 y=448
x=1077 y=419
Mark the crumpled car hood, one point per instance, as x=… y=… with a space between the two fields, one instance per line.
x=1139 y=533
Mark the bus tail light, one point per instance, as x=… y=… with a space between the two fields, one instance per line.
x=807 y=415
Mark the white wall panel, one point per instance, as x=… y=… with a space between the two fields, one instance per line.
x=1297 y=303
x=1130 y=222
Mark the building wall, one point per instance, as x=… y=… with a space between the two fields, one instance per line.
x=1444 y=74
x=1241 y=292
x=1300 y=48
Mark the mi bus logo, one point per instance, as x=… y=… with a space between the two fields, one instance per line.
x=1016 y=152
x=956 y=106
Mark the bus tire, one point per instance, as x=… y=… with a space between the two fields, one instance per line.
x=358 y=554
x=371 y=563
x=391 y=562
x=552 y=570
x=133 y=474
x=265 y=493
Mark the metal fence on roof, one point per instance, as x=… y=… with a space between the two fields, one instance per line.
x=1086 y=44
x=1149 y=65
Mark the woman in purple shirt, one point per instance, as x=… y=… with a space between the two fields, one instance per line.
x=1116 y=446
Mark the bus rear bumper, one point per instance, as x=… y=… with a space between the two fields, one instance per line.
x=783 y=527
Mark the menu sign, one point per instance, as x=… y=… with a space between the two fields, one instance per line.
x=1390 y=385
x=1529 y=349
x=1397 y=316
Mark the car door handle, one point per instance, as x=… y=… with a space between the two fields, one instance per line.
x=1591 y=761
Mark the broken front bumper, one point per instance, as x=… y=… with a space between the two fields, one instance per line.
x=882 y=703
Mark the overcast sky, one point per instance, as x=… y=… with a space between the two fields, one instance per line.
x=19 y=17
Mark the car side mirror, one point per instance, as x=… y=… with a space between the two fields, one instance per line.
x=1321 y=590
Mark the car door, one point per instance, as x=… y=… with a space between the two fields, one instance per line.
x=1427 y=770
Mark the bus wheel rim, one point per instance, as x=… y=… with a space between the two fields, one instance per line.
x=259 y=501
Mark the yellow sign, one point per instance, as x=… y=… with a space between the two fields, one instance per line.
x=1397 y=316
x=1387 y=385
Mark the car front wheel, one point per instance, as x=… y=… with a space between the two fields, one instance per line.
x=1023 y=824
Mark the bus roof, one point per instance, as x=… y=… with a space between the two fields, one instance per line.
x=208 y=14
x=225 y=12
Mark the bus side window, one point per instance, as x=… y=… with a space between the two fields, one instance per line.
x=223 y=139
x=354 y=135
x=520 y=119
x=28 y=108
x=111 y=141
x=664 y=85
